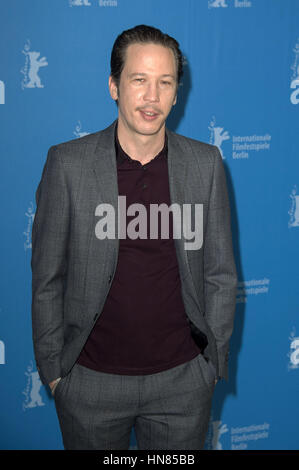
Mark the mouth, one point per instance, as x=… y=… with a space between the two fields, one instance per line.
x=148 y=115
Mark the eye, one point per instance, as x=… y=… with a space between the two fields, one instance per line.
x=139 y=80
x=165 y=82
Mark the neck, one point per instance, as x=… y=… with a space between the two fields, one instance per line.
x=140 y=147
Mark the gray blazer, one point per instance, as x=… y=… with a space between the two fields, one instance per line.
x=72 y=269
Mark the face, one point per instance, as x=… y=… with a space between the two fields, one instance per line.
x=147 y=89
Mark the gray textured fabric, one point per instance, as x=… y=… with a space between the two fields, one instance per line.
x=168 y=410
x=72 y=269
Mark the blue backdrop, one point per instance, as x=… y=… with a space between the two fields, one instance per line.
x=241 y=93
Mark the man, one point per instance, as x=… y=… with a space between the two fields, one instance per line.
x=133 y=331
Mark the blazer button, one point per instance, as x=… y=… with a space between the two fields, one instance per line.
x=110 y=278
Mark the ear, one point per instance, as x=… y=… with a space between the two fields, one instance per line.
x=174 y=101
x=113 y=89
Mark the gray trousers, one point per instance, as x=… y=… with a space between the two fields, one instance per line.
x=168 y=409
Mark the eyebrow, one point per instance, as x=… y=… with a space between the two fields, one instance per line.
x=131 y=75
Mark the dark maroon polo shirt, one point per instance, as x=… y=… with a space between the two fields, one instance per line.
x=143 y=328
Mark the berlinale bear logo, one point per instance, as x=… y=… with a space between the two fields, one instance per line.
x=2 y=353
x=2 y=92
x=32 y=65
x=217 y=3
x=32 y=394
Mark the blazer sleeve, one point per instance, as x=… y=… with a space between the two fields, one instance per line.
x=49 y=263
x=220 y=276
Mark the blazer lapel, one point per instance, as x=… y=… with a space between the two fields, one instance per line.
x=106 y=172
x=177 y=172
x=180 y=170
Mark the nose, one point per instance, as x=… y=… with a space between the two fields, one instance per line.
x=152 y=92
